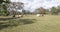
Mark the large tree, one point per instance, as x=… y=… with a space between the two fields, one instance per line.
x=15 y=8
x=54 y=10
x=41 y=11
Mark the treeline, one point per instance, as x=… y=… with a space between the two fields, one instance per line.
x=52 y=11
x=55 y=10
x=41 y=10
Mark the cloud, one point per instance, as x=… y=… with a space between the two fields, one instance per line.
x=33 y=4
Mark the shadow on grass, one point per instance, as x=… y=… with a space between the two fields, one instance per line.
x=4 y=19
x=16 y=22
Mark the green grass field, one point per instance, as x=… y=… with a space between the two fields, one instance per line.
x=32 y=23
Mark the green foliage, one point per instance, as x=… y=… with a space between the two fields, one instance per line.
x=3 y=6
x=5 y=1
x=4 y=12
x=58 y=8
x=47 y=11
x=54 y=10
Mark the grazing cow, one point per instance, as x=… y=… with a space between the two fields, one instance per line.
x=18 y=16
x=38 y=15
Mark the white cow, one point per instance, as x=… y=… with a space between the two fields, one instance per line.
x=38 y=15
x=19 y=16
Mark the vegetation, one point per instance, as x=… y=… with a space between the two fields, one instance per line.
x=41 y=11
x=55 y=10
x=28 y=23
x=32 y=23
x=3 y=6
x=52 y=11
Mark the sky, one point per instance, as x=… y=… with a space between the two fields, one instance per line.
x=34 y=4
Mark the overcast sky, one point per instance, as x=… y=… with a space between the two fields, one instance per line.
x=33 y=4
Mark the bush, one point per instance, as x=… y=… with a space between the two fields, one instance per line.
x=3 y=12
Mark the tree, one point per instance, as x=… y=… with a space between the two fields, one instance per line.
x=16 y=7
x=54 y=10
x=3 y=6
x=58 y=8
x=41 y=11
x=5 y=1
x=47 y=11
